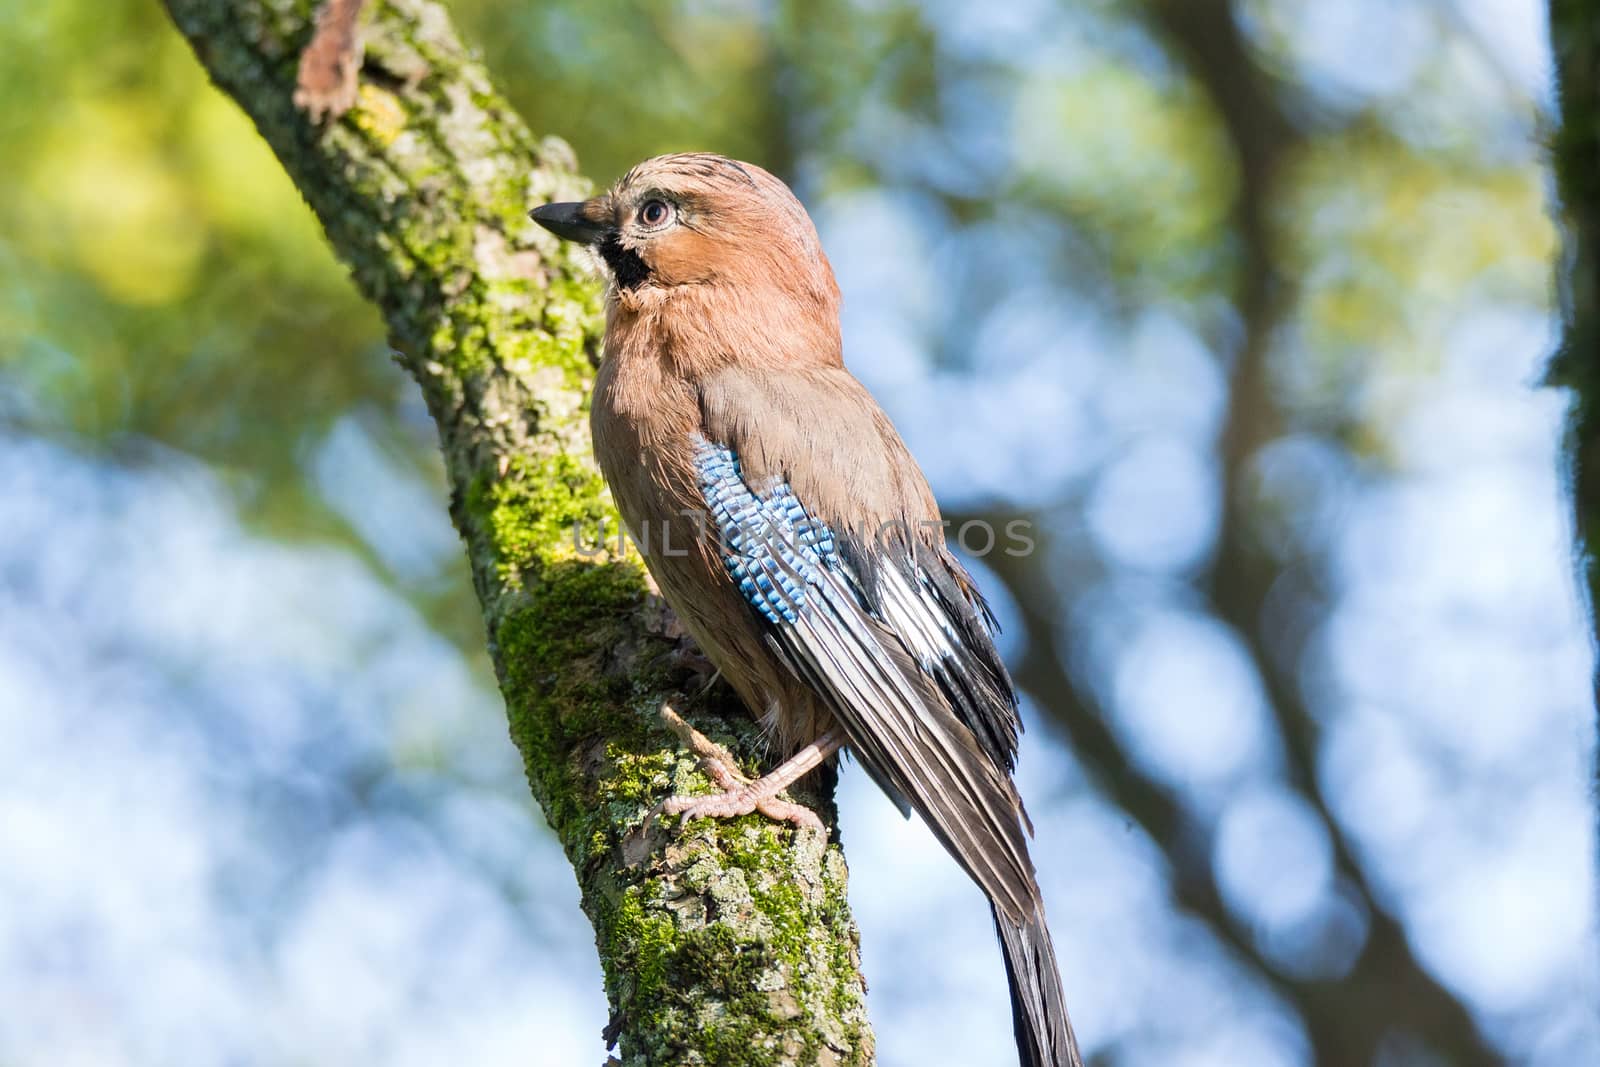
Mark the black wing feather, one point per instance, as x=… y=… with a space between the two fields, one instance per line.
x=927 y=715
x=895 y=639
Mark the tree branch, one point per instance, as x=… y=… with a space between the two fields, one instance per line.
x=1575 y=37
x=1575 y=40
x=1387 y=989
x=730 y=944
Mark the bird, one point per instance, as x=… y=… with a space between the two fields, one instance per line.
x=785 y=521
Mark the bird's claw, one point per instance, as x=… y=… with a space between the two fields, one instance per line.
x=740 y=795
x=741 y=801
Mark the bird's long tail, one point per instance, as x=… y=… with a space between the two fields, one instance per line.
x=1038 y=1006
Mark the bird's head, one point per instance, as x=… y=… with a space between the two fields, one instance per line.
x=703 y=221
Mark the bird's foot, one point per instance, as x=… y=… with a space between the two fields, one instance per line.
x=742 y=801
x=326 y=85
x=741 y=794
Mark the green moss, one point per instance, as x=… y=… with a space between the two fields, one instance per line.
x=811 y=934
x=646 y=940
x=542 y=509
x=553 y=649
x=637 y=778
x=692 y=993
x=573 y=319
x=465 y=356
x=758 y=970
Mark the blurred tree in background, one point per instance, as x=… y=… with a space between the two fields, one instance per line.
x=1241 y=304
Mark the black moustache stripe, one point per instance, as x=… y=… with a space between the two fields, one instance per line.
x=626 y=265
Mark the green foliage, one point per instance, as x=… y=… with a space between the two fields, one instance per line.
x=1389 y=241
x=1161 y=224
x=161 y=276
x=625 y=79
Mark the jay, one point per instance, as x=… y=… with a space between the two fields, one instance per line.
x=788 y=526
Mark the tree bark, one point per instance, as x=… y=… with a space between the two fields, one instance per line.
x=1575 y=39
x=729 y=943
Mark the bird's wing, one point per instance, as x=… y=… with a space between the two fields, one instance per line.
x=922 y=593
x=879 y=629
x=823 y=434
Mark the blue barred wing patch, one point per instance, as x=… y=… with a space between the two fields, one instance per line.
x=774 y=550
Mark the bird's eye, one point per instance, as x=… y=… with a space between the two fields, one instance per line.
x=655 y=213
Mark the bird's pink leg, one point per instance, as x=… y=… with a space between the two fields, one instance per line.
x=741 y=795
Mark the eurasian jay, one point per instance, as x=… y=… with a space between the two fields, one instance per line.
x=788 y=526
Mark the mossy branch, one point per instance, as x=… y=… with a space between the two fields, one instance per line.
x=728 y=944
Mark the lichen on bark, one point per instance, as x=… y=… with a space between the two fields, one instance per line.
x=729 y=943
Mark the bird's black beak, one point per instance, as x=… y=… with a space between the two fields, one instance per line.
x=570 y=222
